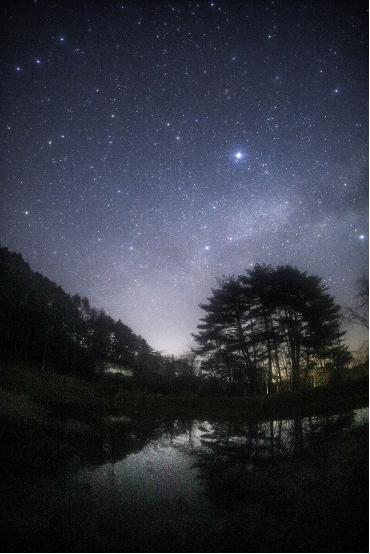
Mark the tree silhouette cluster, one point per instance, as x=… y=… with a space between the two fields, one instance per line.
x=359 y=313
x=264 y=331
x=41 y=324
x=44 y=326
x=270 y=329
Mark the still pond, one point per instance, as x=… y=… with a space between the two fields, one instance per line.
x=198 y=486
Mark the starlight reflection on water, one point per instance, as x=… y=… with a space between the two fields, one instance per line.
x=279 y=485
x=179 y=485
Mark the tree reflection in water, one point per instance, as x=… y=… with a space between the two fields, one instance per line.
x=199 y=486
x=291 y=485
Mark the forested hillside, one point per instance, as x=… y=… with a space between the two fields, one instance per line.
x=41 y=324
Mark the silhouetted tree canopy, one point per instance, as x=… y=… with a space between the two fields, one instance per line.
x=359 y=313
x=269 y=329
x=42 y=324
x=264 y=331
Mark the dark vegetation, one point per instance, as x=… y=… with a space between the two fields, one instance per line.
x=264 y=332
x=268 y=331
x=359 y=313
x=43 y=325
x=272 y=330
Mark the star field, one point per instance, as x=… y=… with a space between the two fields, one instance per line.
x=149 y=148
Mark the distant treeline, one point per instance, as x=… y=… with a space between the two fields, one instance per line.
x=268 y=330
x=41 y=324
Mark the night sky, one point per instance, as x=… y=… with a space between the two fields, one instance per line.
x=149 y=148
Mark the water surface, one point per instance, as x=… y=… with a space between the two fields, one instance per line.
x=281 y=485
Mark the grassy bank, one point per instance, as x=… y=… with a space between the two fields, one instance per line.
x=44 y=386
x=60 y=406
x=30 y=396
x=323 y=400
